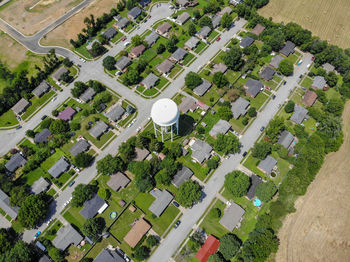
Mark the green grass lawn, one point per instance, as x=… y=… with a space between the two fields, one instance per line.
x=73 y=216
x=104 y=243
x=34 y=175
x=8 y=119
x=258 y=101
x=251 y=163
x=307 y=82
x=117 y=37
x=200 y=47
x=175 y=71
x=292 y=58
x=83 y=51
x=148 y=55
x=50 y=161
x=213 y=35
x=150 y=92
x=51 y=233
x=36 y=103
x=188 y=59
x=199 y=171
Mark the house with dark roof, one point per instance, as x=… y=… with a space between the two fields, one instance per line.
x=59 y=167
x=309 y=98
x=66 y=236
x=93 y=206
x=122 y=23
x=247 y=41
x=267 y=73
x=255 y=180
x=122 y=63
x=216 y=21
x=5 y=205
x=222 y=68
x=118 y=181
x=258 y=29
x=183 y=18
x=42 y=136
x=181 y=176
x=152 y=38
x=88 y=95
x=56 y=76
x=41 y=89
x=253 y=87
x=165 y=67
x=39 y=186
x=137 y=51
x=204 y=32
x=319 y=83
x=141 y=154
x=163 y=199
x=239 y=107
x=225 y=10
x=276 y=60
x=163 y=29
x=79 y=147
x=267 y=165
x=109 y=33
x=300 y=113
x=191 y=43
x=20 y=106
x=139 y=229
x=144 y=3
x=98 y=129
x=107 y=255
x=115 y=113
x=201 y=89
x=210 y=247
x=187 y=104
x=288 y=48
x=221 y=127
x=16 y=161
x=178 y=55
x=66 y=114
x=134 y=13
x=150 y=81
x=286 y=138
x=201 y=151
x=232 y=217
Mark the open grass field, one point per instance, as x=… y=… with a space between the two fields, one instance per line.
x=327 y=19
x=320 y=228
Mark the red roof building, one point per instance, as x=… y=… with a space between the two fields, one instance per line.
x=210 y=246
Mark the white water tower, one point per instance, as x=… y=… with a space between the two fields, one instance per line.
x=165 y=115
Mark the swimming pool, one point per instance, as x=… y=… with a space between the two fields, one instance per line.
x=257 y=202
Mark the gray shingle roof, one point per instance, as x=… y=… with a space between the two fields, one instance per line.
x=118 y=181
x=16 y=161
x=123 y=22
x=258 y=29
x=219 y=68
x=255 y=180
x=79 y=147
x=216 y=21
x=202 y=88
x=247 y=41
x=135 y=12
x=288 y=48
x=107 y=255
x=319 y=82
x=192 y=42
x=201 y=150
x=44 y=258
x=110 y=33
x=141 y=154
x=20 y=106
x=151 y=38
x=116 y=113
x=267 y=164
x=98 y=129
x=123 y=62
x=253 y=87
x=59 y=167
x=286 y=138
x=40 y=185
x=204 y=32
x=150 y=80
x=182 y=2
x=182 y=175
x=267 y=73
x=239 y=107
x=299 y=114
x=137 y=50
x=87 y=95
x=165 y=66
x=181 y=19
x=276 y=60
x=65 y=236
x=163 y=199
x=92 y=206
x=232 y=216
x=179 y=54
x=5 y=205
x=164 y=28
x=42 y=136
x=225 y=10
x=328 y=67
x=56 y=75
x=41 y=89
x=186 y=104
x=221 y=127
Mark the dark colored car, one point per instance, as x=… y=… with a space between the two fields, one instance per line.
x=19 y=127
x=177 y=224
x=245 y=153
x=285 y=82
x=71 y=183
x=262 y=128
x=273 y=97
x=43 y=117
x=176 y=204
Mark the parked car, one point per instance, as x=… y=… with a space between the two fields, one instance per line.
x=218 y=39
x=300 y=62
x=71 y=183
x=245 y=153
x=177 y=224
x=37 y=234
x=262 y=128
x=176 y=204
x=126 y=43
x=19 y=127
x=43 y=117
x=284 y=83
x=273 y=97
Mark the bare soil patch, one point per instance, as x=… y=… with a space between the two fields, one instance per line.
x=320 y=228
x=42 y=13
x=327 y=19
x=69 y=29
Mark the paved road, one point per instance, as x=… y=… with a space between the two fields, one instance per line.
x=171 y=243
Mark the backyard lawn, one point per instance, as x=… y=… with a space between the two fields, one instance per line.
x=8 y=119
x=36 y=103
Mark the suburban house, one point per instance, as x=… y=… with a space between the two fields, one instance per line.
x=309 y=98
x=152 y=38
x=181 y=176
x=239 y=107
x=253 y=87
x=40 y=185
x=109 y=33
x=221 y=127
x=5 y=205
x=41 y=89
x=267 y=73
x=122 y=23
x=328 y=67
x=163 y=199
x=178 y=55
x=163 y=29
x=204 y=32
x=201 y=89
x=225 y=10
x=130 y=109
x=140 y=228
x=137 y=51
x=144 y=3
x=150 y=81
x=42 y=136
x=191 y=43
x=201 y=150
x=300 y=113
x=165 y=67
x=88 y=95
x=98 y=129
x=216 y=20
x=247 y=41
x=66 y=236
x=16 y=161
x=66 y=114
x=232 y=217
x=20 y=106
x=59 y=167
x=134 y=13
x=115 y=113
x=219 y=68
x=141 y=154
x=107 y=255
x=276 y=60
x=319 y=83
x=258 y=29
x=44 y=258
x=187 y=104
x=118 y=181
x=255 y=180
x=59 y=72
x=210 y=247
x=288 y=48
x=90 y=44
x=122 y=63
x=182 y=3
x=181 y=19
x=93 y=206
x=81 y=146
x=267 y=165
x=286 y=138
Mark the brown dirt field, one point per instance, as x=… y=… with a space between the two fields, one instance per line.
x=320 y=228
x=69 y=29
x=29 y=21
x=327 y=19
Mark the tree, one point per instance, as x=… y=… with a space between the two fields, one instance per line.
x=82 y=193
x=30 y=133
x=213 y=162
x=193 y=80
x=286 y=67
x=6 y=240
x=136 y=40
x=217 y=257
x=127 y=152
x=83 y=160
x=55 y=254
x=225 y=113
x=206 y=21
x=93 y=227
x=33 y=210
x=261 y=150
x=142 y=253
x=160 y=49
x=332 y=79
x=227 y=144
x=162 y=177
x=66 y=77
x=152 y=241
x=335 y=106
x=237 y=183
x=132 y=77
x=229 y=246
x=18 y=195
x=220 y=80
x=274 y=129
x=233 y=58
x=215 y=213
x=109 y=63
x=74 y=126
x=289 y=108
x=265 y=191
x=226 y=20
x=130 y=4
x=109 y=165
x=192 y=29
x=171 y=44
x=104 y=193
x=67 y=62
x=58 y=126
x=97 y=49
x=189 y=193
x=252 y=112
x=21 y=252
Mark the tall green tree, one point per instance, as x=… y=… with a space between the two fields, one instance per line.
x=82 y=193
x=109 y=165
x=93 y=227
x=192 y=80
x=233 y=58
x=229 y=246
x=265 y=191
x=226 y=20
x=220 y=80
x=261 y=150
x=83 y=160
x=189 y=193
x=286 y=67
x=237 y=183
